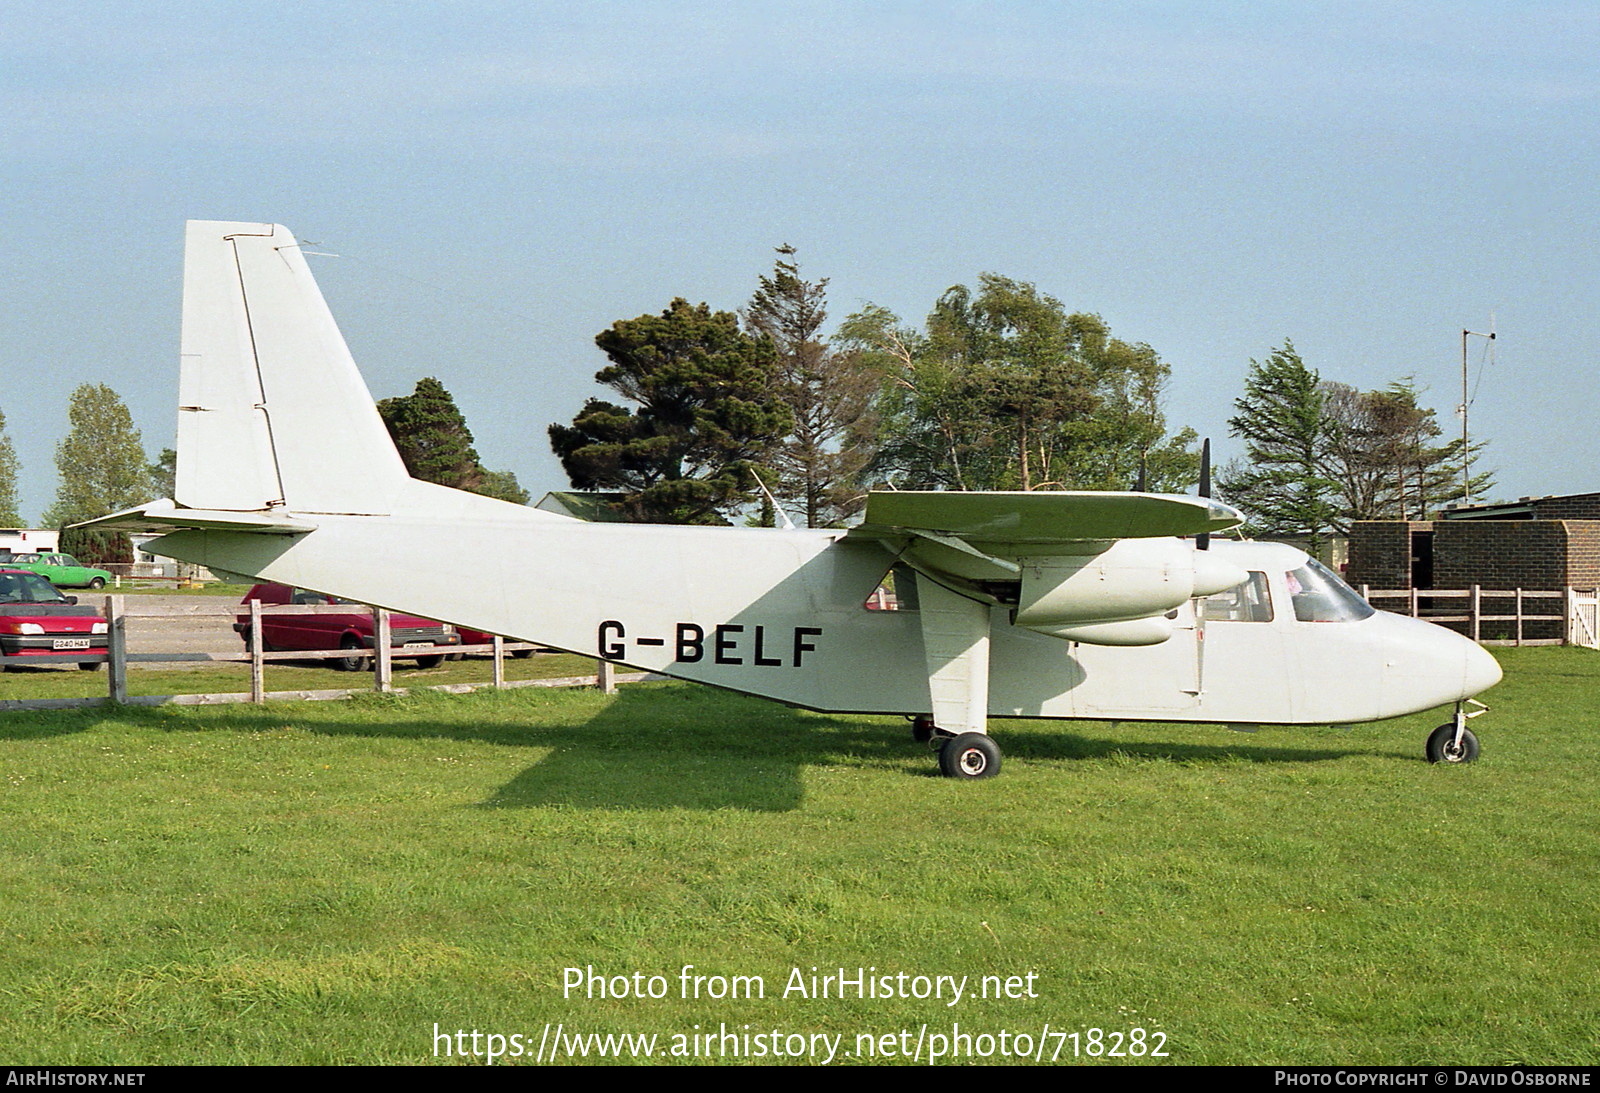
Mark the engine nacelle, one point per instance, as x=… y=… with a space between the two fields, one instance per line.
x=1147 y=631
x=1131 y=579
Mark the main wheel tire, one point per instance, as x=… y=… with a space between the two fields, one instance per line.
x=91 y=665
x=97 y=584
x=922 y=729
x=522 y=654
x=971 y=755
x=430 y=662
x=350 y=663
x=1442 y=746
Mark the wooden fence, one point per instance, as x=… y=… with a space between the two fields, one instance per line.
x=1493 y=616
x=117 y=658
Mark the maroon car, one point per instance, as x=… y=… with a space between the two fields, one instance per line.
x=38 y=625
x=410 y=637
x=479 y=637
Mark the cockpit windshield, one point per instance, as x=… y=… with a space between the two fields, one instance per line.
x=1320 y=596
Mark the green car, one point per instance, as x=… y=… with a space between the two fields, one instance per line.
x=61 y=570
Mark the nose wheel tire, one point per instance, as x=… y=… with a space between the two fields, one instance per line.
x=1442 y=746
x=971 y=755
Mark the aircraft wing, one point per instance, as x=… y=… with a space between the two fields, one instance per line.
x=1029 y=517
x=1098 y=567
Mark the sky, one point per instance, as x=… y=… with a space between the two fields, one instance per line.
x=502 y=181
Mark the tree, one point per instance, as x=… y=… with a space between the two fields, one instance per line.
x=504 y=485
x=1384 y=454
x=706 y=415
x=432 y=436
x=1124 y=439
x=1007 y=390
x=103 y=468
x=1283 y=483
x=164 y=473
x=829 y=394
x=8 y=479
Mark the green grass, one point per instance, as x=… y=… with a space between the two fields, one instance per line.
x=132 y=587
x=322 y=882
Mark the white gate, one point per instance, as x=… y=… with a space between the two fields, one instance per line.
x=1583 y=618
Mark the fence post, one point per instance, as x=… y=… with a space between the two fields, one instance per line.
x=1473 y=608
x=607 y=680
x=383 y=651
x=1519 y=614
x=499 y=663
x=258 y=667
x=117 y=649
x=1414 y=612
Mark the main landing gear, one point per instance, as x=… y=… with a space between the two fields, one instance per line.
x=968 y=755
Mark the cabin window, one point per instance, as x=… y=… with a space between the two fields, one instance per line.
x=1247 y=602
x=896 y=592
x=1320 y=596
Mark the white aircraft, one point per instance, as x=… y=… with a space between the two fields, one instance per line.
x=1051 y=605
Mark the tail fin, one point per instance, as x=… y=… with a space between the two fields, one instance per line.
x=271 y=409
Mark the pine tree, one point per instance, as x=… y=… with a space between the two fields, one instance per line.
x=706 y=415
x=432 y=436
x=1283 y=484
x=829 y=393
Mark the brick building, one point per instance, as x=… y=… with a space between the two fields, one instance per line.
x=1537 y=543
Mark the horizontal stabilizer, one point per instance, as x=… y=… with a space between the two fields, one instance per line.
x=1047 y=516
x=164 y=516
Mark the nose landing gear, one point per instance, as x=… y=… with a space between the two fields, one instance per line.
x=1453 y=742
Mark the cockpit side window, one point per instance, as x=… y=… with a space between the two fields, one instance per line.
x=1247 y=602
x=1320 y=596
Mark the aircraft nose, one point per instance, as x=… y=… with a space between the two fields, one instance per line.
x=1482 y=671
x=1427 y=665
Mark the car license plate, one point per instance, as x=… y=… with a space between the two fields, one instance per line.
x=70 y=643
x=417 y=645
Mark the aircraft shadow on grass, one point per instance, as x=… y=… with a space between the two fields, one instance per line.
x=693 y=748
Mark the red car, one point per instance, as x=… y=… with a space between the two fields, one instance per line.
x=409 y=636
x=478 y=637
x=38 y=625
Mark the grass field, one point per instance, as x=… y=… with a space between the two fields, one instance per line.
x=324 y=882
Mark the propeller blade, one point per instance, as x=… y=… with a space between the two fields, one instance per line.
x=1203 y=540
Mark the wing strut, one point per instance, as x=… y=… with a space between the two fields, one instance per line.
x=955 y=642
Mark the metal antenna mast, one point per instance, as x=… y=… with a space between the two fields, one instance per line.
x=1466 y=399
